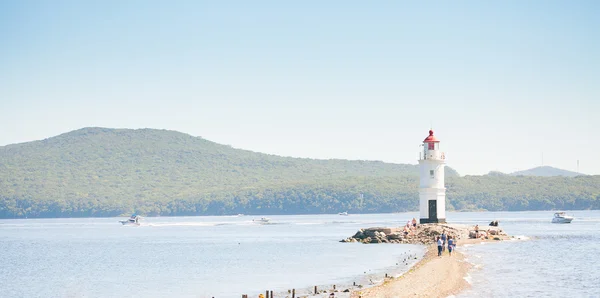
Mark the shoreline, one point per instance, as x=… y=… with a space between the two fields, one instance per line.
x=432 y=276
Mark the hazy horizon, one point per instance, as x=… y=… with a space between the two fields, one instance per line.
x=502 y=84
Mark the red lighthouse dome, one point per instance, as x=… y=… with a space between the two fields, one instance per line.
x=431 y=138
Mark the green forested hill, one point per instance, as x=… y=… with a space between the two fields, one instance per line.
x=108 y=172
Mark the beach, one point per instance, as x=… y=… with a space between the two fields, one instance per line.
x=433 y=276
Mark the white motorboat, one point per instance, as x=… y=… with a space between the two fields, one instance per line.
x=561 y=217
x=343 y=213
x=134 y=220
x=262 y=220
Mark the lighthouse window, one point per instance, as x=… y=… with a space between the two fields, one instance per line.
x=431 y=173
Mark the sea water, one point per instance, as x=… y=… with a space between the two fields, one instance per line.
x=552 y=260
x=223 y=256
x=229 y=256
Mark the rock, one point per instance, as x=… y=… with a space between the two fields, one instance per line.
x=359 y=235
x=375 y=240
x=424 y=234
x=372 y=232
x=394 y=236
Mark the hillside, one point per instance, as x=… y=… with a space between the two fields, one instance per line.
x=119 y=167
x=109 y=172
x=546 y=171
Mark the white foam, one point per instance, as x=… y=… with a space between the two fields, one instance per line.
x=468 y=279
x=183 y=224
x=520 y=237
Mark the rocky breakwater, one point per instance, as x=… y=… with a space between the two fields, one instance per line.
x=422 y=234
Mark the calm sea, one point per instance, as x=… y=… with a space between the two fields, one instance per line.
x=558 y=260
x=231 y=256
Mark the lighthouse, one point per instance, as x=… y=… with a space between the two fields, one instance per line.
x=432 y=192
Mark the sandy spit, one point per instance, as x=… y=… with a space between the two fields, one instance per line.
x=433 y=276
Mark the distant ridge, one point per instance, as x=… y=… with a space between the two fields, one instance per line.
x=148 y=153
x=100 y=172
x=547 y=171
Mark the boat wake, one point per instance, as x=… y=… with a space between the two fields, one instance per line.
x=185 y=224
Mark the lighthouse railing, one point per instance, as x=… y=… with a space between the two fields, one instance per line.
x=433 y=154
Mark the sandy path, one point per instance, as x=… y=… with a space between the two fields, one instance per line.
x=432 y=277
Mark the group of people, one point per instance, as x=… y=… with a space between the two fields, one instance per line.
x=444 y=240
x=411 y=227
x=484 y=234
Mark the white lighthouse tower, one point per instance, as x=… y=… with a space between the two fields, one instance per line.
x=432 y=192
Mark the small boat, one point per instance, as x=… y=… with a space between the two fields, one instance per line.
x=262 y=220
x=134 y=220
x=561 y=217
x=343 y=213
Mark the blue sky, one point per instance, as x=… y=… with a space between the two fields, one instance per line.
x=501 y=82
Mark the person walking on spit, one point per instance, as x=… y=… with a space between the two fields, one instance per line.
x=451 y=245
x=444 y=237
x=414 y=222
x=476 y=231
x=440 y=245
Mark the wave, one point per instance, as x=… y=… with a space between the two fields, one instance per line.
x=519 y=237
x=236 y=223
x=571 y=237
x=468 y=279
x=182 y=224
x=307 y=223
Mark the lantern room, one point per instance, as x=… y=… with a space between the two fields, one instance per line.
x=431 y=147
x=431 y=142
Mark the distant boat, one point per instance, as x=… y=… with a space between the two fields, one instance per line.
x=343 y=213
x=239 y=215
x=561 y=217
x=262 y=220
x=134 y=220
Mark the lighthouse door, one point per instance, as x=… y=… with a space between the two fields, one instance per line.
x=432 y=210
